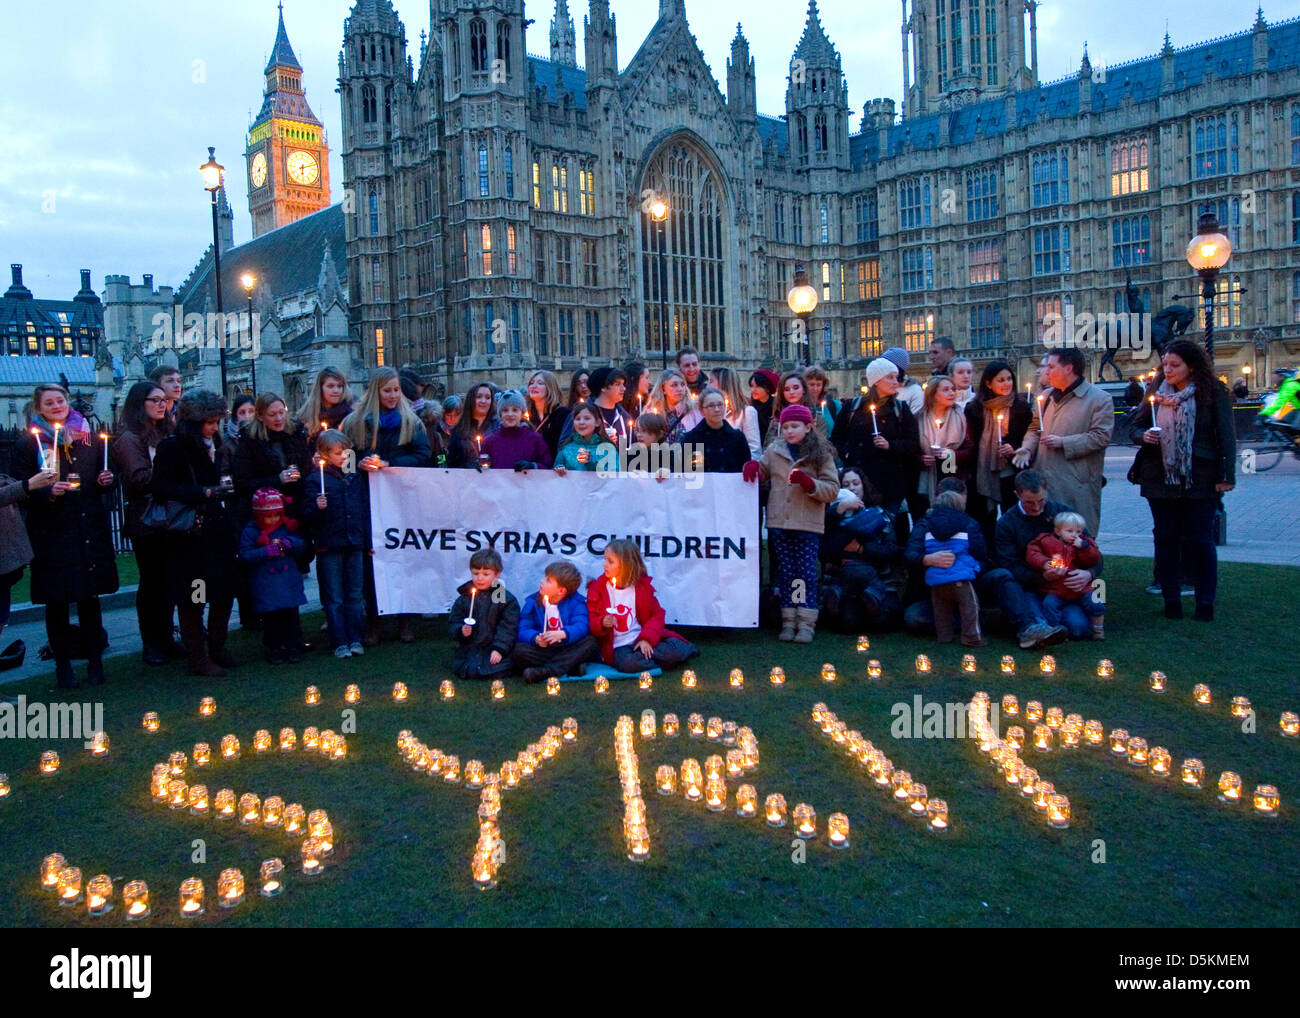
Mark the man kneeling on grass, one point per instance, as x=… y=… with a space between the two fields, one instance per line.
x=554 y=633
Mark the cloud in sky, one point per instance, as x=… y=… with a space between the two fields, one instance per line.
x=105 y=130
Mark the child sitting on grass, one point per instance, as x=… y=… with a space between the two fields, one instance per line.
x=269 y=547
x=484 y=621
x=626 y=617
x=1055 y=555
x=554 y=634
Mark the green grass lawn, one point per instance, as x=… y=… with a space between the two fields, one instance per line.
x=1173 y=857
x=128 y=575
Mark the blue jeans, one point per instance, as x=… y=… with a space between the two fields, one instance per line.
x=1074 y=615
x=339 y=575
x=1020 y=606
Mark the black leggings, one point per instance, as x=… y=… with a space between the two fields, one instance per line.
x=91 y=622
x=1184 y=542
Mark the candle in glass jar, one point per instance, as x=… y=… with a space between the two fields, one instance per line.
x=774 y=810
x=1058 y=811
x=288 y=740
x=230 y=888
x=1008 y=665
x=1010 y=705
x=99 y=744
x=400 y=692
x=776 y=676
x=312 y=696
x=601 y=685
x=207 y=707
x=713 y=729
x=937 y=814
x=49 y=763
x=666 y=779
x=498 y=689
x=968 y=663
x=828 y=672
x=918 y=797
x=1159 y=761
x=229 y=747
x=51 y=866
x=695 y=726
x=250 y=809
x=271 y=877
x=69 y=885
x=1094 y=733
x=837 y=830
x=864 y=644
x=223 y=806
x=1192 y=772
x=922 y=663
x=874 y=670
x=746 y=801
x=552 y=686
x=671 y=726
x=294 y=819
x=1289 y=724
x=688 y=679
x=447 y=689
x=4 y=785
x=313 y=860
x=352 y=694
x=191 y=897
x=715 y=795
x=1105 y=668
x=135 y=900
x=736 y=679
x=1229 y=787
x=272 y=811
x=1047 y=665
x=1138 y=753
x=1266 y=800
x=311 y=738
x=198 y=800
x=261 y=741
x=150 y=722
x=805 y=820
x=1156 y=682
x=1240 y=706
x=1201 y=694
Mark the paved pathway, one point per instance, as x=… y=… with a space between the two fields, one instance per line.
x=1263 y=526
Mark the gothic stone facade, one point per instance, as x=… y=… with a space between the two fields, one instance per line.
x=496 y=216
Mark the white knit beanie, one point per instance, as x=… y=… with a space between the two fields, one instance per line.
x=880 y=368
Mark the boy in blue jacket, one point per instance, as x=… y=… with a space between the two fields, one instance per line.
x=954 y=546
x=554 y=635
x=337 y=509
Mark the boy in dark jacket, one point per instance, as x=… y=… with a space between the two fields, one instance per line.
x=269 y=547
x=950 y=545
x=337 y=510
x=484 y=621
x=554 y=632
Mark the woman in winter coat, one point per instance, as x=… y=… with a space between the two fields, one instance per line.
x=478 y=419
x=996 y=421
x=546 y=414
x=201 y=567
x=1187 y=460
x=68 y=525
x=385 y=432
x=144 y=425
x=329 y=401
x=862 y=581
x=946 y=447
x=273 y=452
x=15 y=549
x=801 y=468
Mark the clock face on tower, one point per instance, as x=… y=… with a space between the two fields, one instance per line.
x=303 y=168
x=257 y=171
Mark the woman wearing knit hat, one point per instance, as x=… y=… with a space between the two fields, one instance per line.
x=762 y=387
x=909 y=389
x=792 y=391
x=877 y=435
x=801 y=467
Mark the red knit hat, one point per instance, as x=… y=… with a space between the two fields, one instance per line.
x=267 y=500
x=769 y=380
x=796 y=412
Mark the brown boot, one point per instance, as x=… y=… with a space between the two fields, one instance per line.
x=969 y=606
x=192 y=637
x=807 y=619
x=943 y=599
x=787 y=625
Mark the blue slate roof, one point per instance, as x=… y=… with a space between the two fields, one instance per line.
x=572 y=80
x=773 y=129
x=29 y=370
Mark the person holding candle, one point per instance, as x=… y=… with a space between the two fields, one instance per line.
x=243 y=410
x=801 y=468
x=385 y=432
x=587 y=447
x=638 y=388
x=546 y=414
x=273 y=452
x=814 y=377
x=337 y=510
x=1186 y=462
x=513 y=445
x=478 y=420
x=484 y=621
x=721 y=448
x=68 y=526
x=185 y=471
x=554 y=627
x=1054 y=555
x=269 y=546
x=143 y=426
x=881 y=443
x=1070 y=435
x=996 y=423
x=946 y=447
x=651 y=453
x=328 y=402
x=627 y=618
x=791 y=391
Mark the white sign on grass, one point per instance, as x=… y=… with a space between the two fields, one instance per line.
x=700 y=542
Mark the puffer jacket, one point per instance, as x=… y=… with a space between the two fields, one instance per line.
x=946 y=529
x=789 y=507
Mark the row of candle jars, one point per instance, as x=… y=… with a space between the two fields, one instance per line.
x=1004 y=755
x=636 y=834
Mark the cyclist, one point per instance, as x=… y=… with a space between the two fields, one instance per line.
x=1285 y=405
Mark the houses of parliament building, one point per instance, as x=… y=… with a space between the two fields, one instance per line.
x=495 y=212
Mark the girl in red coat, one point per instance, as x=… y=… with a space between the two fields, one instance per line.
x=1054 y=555
x=626 y=618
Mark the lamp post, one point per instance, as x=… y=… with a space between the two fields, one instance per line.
x=1208 y=252
x=249 y=280
x=659 y=213
x=212 y=171
x=802 y=299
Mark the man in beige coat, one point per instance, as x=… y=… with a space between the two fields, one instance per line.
x=1070 y=436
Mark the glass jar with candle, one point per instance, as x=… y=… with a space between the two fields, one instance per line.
x=49 y=763
x=1044 y=738
x=498 y=689
x=473 y=774
x=400 y=692
x=73 y=481
x=968 y=664
x=1156 y=682
x=746 y=801
x=552 y=686
x=271 y=878
x=774 y=810
x=649 y=726
x=692 y=780
x=99 y=744
x=198 y=800
x=713 y=729
x=451 y=769
x=191 y=897
x=150 y=722
x=4 y=785
x=1289 y=724
x=917 y=798
x=223 y=806
x=922 y=664
x=1192 y=772
x=51 y=866
x=695 y=726
x=135 y=900
x=805 y=820
x=937 y=815
x=1159 y=761
x=1266 y=800
x=601 y=685
x=776 y=676
x=1008 y=665
x=1094 y=734
x=715 y=795
x=312 y=696
x=837 y=830
x=1230 y=787
x=1201 y=694
x=230 y=888
x=901 y=782
x=570 y=729
x=828 y=672
x=158 y=783
x=229 y=747
x=874 y=671
x=1138 y=754
x=1105 y=668
x=288 y=740
x=1047 y=665
x=250 y=809
x=313 y=857
x=1058 y=811
x=688 y=679
x=863 y=644
x=207 y=707
x=311 y=739
x=666 y=779
x=99 y=895
x=1240 y=706
x=1054 y=718
x=69 y=885
x=447 y=689
x=1010 y=705
x=713 y=767
x=1033 y=712
x=645 y=681
x=352 y=694
x=1015 y=737
x=176 y=765
x=178 y=794
x=671 y=726
x=294 y=819
x=272 y=811
x=261 y=741
x=1045 y=790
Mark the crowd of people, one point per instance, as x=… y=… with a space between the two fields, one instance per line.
x=921 y=502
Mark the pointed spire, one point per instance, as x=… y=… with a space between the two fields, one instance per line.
x=814 y=47
x=1260 y=23
x=564 y=39
x=739 y=42
x=1085 y=66
x=282 y=52
x=328 y=287
x=1168 y=49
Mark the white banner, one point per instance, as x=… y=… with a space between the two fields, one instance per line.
x=698 y=534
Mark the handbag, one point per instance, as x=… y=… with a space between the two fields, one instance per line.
x=170 y=516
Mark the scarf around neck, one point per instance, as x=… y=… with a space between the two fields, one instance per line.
x=949 y=433
x=990 y=469
x=1176 y=417
x=74 y=429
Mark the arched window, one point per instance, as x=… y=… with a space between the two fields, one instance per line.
x=801 y=132
x=453 y=54
x=368 y=104
x=503 y=43
x=510 y=172
x=683 y=296
x=478 y=51
x=819 y=132
x=483 y=187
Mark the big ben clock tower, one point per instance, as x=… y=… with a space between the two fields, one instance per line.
x=287 y=154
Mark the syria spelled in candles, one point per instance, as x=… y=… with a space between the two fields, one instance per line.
x=135 y=900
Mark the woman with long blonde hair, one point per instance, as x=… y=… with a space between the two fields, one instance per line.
x=546 y=413
x=672 y=398
x=328 y=402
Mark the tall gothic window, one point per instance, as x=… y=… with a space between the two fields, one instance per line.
x=503 y=43
x=478 y=51
x=684 y=303
x=368 y=104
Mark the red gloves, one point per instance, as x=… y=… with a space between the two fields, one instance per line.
x=803 y=480
x=750 y=471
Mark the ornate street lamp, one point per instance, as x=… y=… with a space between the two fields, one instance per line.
x=659 y=213
x=802 y=299
x=1207 y=253
x=212 y=173
x=249 y=281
